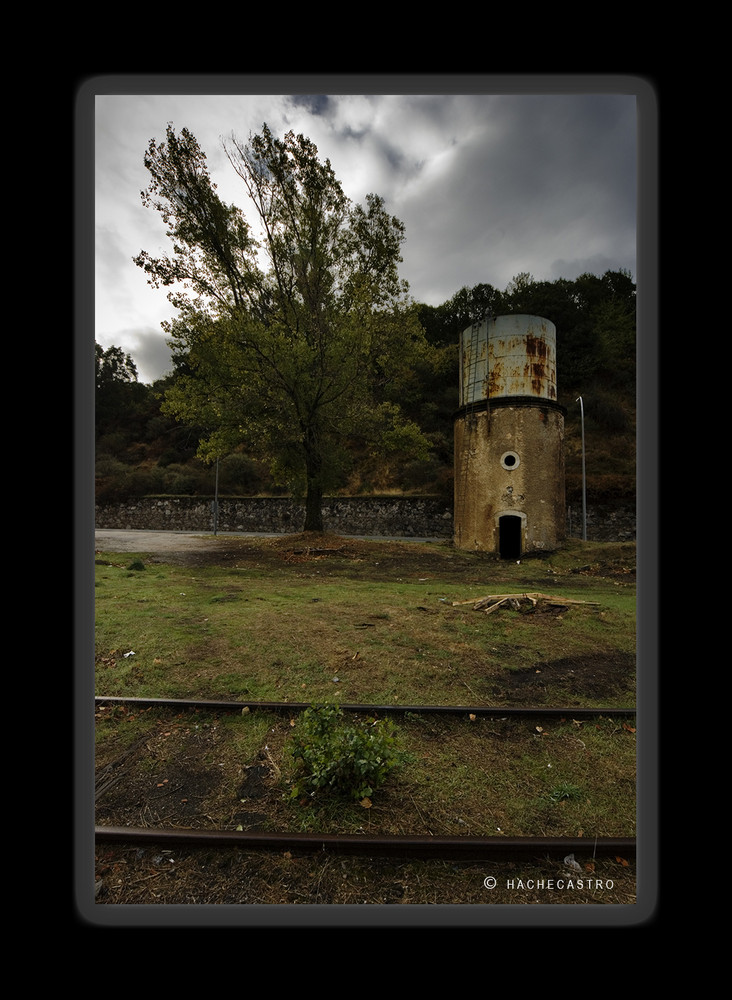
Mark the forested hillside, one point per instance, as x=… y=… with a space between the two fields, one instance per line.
x=141 y=449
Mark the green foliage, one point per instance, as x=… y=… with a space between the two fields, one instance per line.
x=595 y=321
x=184 y=480
x=116 y=481
x=390 y=430
x=605 y=412
x=346 y=759
x=443 y=324
x=117 y=392
x=240 y=474
x=113 y=366
x=128 y=482
x=281 y=345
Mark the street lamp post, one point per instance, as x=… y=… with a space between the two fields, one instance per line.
x=584 y=487
x=216 y=498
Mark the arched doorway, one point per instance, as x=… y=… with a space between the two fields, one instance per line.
x=509 y=536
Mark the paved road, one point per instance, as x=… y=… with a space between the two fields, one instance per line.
x=157 y=541
x=109 y=540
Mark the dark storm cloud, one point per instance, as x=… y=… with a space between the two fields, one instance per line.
x=541 y=184
x=315 y=104
x=487 y=185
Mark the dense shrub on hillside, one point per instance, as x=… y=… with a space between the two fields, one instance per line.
x=595 y=320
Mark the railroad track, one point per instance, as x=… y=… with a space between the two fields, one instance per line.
x=465 y=847
x=293 y=706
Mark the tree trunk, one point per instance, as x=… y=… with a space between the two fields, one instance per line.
x=314 y=481
x=313 y=509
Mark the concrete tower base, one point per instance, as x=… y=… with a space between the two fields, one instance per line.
x=509 y=476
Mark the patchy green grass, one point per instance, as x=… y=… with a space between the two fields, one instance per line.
x=453 y=776
x=370 y=623
x=374 y=623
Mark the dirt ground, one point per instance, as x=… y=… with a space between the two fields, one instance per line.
x=166 y=780
x=187 y=797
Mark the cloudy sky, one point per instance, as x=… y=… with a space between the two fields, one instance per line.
x=488 y=184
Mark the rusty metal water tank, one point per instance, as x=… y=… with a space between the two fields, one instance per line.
x=508 y=356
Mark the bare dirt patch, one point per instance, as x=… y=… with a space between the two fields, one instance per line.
x=601 y=678
x=151 y=876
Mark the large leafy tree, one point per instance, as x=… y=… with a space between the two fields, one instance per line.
x=294 y=330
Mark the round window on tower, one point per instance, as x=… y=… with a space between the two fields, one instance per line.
x=510 y=460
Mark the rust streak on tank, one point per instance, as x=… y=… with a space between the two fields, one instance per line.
x=538 y=373
x=535 y=346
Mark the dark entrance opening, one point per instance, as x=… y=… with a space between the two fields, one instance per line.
x=509 y=536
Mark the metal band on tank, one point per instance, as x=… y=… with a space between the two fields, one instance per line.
x=538 y=402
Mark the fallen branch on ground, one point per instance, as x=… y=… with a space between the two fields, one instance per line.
x=493 y=601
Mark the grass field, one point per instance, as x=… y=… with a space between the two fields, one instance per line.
x=372 y=622
x=298 y=619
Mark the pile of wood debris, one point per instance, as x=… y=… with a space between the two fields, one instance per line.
x=494 y=601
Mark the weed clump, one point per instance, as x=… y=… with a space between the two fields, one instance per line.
x=565 y=791
x=348 y=759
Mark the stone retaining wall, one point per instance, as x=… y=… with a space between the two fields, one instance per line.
x=413 y=517
x=606 y=522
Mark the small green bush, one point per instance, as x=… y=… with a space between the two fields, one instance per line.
x=346 y=759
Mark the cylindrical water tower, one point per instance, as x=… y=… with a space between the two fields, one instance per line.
x=509 y=439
